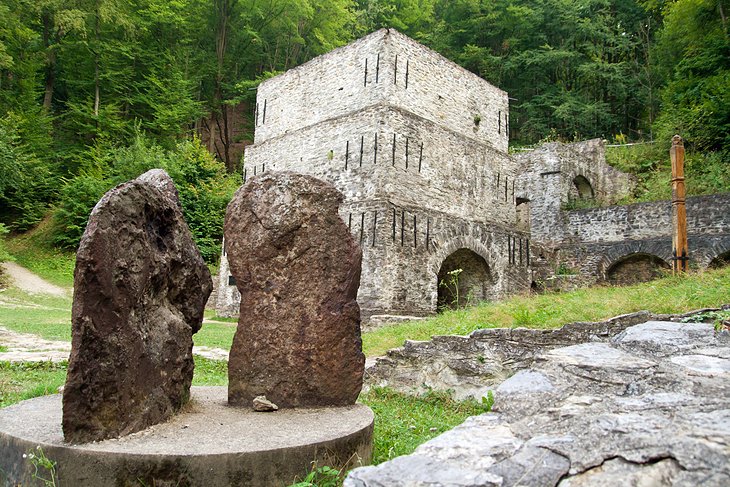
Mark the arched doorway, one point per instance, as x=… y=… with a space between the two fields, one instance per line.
x=636 y=268
x=583 y=188
x=464 y=279
x=721 y=260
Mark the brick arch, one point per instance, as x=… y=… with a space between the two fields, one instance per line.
x=450 y=247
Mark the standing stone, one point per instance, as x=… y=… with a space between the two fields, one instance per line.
x=298 y=270
x=140 y=287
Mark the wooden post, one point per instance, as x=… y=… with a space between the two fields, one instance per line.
x=679 y=212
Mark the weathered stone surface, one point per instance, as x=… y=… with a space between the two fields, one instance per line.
x=298 y=269
x=598 y=414
x=471 y=366
x=140 y=286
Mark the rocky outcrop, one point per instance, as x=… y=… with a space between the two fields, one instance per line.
x=297 y=268
x=650 y=407
x=470 y=366
x=140 y=286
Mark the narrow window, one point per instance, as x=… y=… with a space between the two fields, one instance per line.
x=420 y=157
x=393 y=224
x=362 y=226
x=375 y=154
x=393 y=149
x=347 y=153
x=406 y=153
x=395 y=71
x=375 y=226
x=377 y=68
x=362 y=147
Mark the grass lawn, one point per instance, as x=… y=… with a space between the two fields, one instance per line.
x=19 y=382
x=44 y=315
x=704 y=289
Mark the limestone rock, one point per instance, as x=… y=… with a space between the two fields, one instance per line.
x=261 y=404
x=298 y=270
x=140 y=286
x=627 y=412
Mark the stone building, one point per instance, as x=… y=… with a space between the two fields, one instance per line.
x=444 y=215
x=418 y=146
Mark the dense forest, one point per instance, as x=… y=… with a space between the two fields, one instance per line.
x=94 y=92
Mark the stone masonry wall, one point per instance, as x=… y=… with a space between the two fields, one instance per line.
x=404 y=247
x=598 y=239
x=384 y=67
x=386 y=151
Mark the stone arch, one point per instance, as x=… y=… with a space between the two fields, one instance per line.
x=476 y=253
x=583 y=188
x=721 y=260
x=639 y=252
x=635 y=268
x=464 y=278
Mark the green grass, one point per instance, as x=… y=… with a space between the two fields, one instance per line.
x=210 y=372
x=44 y=315
x=34 y=251
x=22 y=381
x=218 y=335
x=403 y=422
x=670 y=294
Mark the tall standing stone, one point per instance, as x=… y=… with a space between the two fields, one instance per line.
x=298 y=270
x=140 y=287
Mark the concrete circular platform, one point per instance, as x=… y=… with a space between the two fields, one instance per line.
x=207 y=444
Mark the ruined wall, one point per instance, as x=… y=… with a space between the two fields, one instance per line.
x=600 y=239
x=548 y=182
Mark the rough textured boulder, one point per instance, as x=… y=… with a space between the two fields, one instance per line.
x=651 y=407
x=298 y=270
x=470 y=366
x=140 y=287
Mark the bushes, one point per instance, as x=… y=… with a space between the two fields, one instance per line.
x=202 y=182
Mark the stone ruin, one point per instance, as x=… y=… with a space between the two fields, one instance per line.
x=419 y=148
x=297 y=268
x=140 y=287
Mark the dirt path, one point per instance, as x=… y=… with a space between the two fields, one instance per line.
x=27 y=281
x=26 y=347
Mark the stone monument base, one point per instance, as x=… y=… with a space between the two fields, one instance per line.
x=208 y=444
